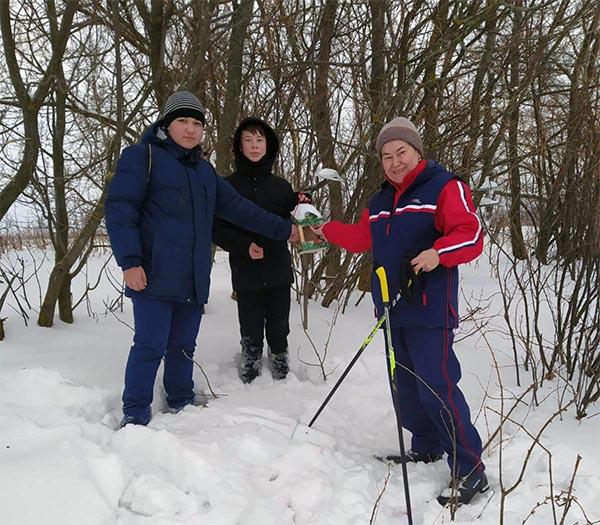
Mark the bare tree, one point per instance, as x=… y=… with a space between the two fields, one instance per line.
x=30 y=104
x=240 y=18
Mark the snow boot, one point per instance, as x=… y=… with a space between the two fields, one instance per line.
x=279 y=365
x=175 y=409
x=413 y=457
x=134 y=420
x=463 y=490
x=251 y=365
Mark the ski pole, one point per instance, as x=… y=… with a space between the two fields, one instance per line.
x=380 y=271
x=348 y=368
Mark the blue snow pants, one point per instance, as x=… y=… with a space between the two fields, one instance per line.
x=433 y=408
x=162 y=329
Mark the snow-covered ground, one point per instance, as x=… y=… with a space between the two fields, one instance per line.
x=248 y=457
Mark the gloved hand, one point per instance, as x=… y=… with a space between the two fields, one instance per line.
x=410 y=282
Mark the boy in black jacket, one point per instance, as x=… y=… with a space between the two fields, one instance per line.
x=261 y=268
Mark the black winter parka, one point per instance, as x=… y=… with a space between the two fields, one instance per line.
x=256 y=182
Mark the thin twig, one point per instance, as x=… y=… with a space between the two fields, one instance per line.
x=380 y=495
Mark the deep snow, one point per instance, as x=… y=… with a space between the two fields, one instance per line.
x=247 y=457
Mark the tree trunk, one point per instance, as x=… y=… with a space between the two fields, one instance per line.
x=240 y=20
x=431 y=82
x=30 y=106
x=61 y=237
x=59 y=283
x=60 y=271
x=322 y=122
x=479 y=98
x=200 y=43
x=158 y=22
x=516 y=229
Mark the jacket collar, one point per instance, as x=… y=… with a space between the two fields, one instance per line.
x=409 y=178
x=245 y=166
x=157 y=134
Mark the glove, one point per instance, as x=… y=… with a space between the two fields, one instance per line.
x=410 y=282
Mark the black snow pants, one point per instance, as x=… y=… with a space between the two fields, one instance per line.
x=264 y=312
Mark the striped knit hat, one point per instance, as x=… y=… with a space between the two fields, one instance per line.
x=399 y=129
x=182 y=104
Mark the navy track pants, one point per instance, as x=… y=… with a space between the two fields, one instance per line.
x=433 y=408
x=162 y=329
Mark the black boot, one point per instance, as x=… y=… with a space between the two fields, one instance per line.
x=279 y=365
x=251 y=365
x=463 y=490
x=412 y=457
x=134 y=420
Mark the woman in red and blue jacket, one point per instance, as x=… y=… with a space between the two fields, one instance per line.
x=420 y=226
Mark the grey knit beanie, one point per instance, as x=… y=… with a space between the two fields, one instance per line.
x=399 y=128
x=182 y=104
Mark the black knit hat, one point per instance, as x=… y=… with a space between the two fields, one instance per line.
x=182 y=104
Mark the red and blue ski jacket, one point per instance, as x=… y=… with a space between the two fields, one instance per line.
x=432 y=208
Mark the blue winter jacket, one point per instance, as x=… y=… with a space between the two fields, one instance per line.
x=399 y=233
x=159 y=215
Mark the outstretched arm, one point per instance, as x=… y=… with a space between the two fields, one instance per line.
x=234 y=208
x=355 y=238
x=231 y=238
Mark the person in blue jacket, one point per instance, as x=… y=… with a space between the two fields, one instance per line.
x=159 y=214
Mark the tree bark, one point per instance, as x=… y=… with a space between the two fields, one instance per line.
x=61 y=270
x=240 y=19
x=516 y=229
x=59 y=283
x=65 y=304
x=431 y=82
x=322 y=122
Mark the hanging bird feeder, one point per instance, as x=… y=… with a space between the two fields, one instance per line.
x=304 y=216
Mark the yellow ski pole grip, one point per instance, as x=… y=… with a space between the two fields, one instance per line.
x=383 y=284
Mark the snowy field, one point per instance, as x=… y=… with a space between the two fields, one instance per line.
x=247 y=457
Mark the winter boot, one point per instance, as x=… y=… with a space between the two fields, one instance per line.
x=178 y=407
x=414 y=457
x=463 y=490
x=279 y=365
x=134 y=420
x=251 y=365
